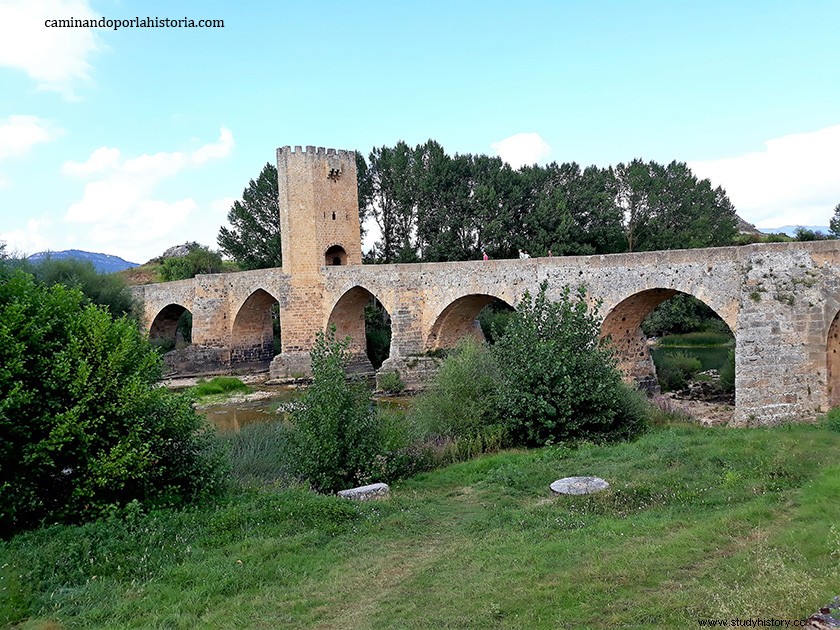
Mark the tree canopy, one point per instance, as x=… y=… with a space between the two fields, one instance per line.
x=253 y=239
x=430 y=206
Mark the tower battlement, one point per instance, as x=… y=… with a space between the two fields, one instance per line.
x=314 y=151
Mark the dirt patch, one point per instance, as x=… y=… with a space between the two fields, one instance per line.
x=708 y=414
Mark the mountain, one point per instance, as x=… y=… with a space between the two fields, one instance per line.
x=790 y=230
x=103 y=263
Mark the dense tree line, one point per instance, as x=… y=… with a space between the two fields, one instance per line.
x=430 y=206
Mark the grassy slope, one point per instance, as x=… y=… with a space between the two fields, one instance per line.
x=714 y=522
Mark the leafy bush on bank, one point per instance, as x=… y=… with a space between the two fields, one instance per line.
x=727 y=373
x=336 y=433
x=558 y=378
x=548 y=378
x=676 y=369
x=85 y=429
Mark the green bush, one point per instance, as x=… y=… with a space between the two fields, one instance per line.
x=459 y=401
x=675 y=369
x=558 y=379
x=727 y=373
x=84 y=428
x=682 y=313
x=337 y=436
x=108 y=290
x=200 y=259
x=831 y=420
x=493 y=320
x=391 y=382
x=377 y=333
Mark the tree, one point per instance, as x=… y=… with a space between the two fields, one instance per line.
x=834 y=223
x=106 y=290
x=667 y=207
x=558 y=378
x=200 y=259
x=253 y=239
x=85 y=428
x=805 y=234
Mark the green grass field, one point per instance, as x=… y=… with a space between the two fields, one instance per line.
x=715 y=523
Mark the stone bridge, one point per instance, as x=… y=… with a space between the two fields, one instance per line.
x=780 y=300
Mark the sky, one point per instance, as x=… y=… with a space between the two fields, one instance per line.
x=127 y=141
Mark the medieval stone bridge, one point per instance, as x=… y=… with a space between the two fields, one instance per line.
x=780 y=300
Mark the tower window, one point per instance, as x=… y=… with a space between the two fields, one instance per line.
x=333 y=216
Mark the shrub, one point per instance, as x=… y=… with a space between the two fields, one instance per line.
x=675 y=369
x=84 y=428
x=107 y=290
x=200 y=259
x=558 y=379
x=391 y=382
x=727 y=373
x=831 y=420
x=459 y=401
x=336 y=434
x=493 y=320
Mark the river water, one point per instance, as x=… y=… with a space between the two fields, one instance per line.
x=232 y=416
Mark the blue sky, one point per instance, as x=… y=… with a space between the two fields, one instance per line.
x=128 y=141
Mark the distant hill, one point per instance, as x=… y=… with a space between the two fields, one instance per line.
x=103 y=263
x=790 y=230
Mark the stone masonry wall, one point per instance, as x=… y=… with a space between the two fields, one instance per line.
x=780 y=300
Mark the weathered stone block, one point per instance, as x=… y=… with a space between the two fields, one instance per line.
x=370 y=492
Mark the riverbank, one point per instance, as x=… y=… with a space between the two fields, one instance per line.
x=697 y=523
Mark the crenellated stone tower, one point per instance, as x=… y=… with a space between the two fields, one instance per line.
x=319 y=226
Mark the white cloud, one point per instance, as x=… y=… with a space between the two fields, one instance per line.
x=119 y=205
x=222 y=206
x=522 y=149
x=219 y=149
x=795 y=180
x=18 y=134
x=55 y=58
x=100 y=160
x=29 y=240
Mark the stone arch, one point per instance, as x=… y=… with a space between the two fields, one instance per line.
x=335 y=256
x=623 y=325
x=171 y=326
x=458 y=320
x=252 y=334
x=348 y=317
x=833 y=362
